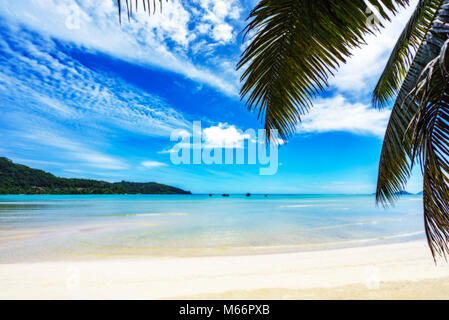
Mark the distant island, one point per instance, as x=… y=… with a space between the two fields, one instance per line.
x=20 y=179
x=403 y=193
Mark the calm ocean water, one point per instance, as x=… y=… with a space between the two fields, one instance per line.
x=36 y=228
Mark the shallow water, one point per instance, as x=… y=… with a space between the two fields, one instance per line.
x=35 y=228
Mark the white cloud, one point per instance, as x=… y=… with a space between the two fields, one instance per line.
x=224 y=136
x=217 y=11
x=153 y=164
x=359 y=75
x=222 y=32
x=203 y=28
x=218 y=14
x=337 y=114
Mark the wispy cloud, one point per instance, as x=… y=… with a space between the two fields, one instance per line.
x=164 y=40
x=153 y=164
x=42 y=137
x=38 y=76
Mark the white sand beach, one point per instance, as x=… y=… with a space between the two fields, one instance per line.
x=391 y=271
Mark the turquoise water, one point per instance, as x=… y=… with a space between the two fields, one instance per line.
x=36 y=228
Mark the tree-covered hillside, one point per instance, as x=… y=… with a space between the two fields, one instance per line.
x=20 y=179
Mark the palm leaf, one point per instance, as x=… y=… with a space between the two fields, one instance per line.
x=146 y=4
x=395 y=160
x=402 y=55
x=431 y=146
x=298 y=44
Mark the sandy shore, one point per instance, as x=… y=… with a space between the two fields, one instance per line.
x=394 y=271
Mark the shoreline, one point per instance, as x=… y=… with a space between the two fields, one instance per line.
x=142 y=254
x=385 y=271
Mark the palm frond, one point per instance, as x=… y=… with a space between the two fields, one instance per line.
x=146 y=4
x=395 y=160
x=431 y=146
x=403 y=53
x=298 y=44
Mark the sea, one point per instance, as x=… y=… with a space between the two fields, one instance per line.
x=83 y=227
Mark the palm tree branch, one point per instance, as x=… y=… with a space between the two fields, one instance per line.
x=402 y=55
x=297 y=45
x=431 y=145
x=396 y=155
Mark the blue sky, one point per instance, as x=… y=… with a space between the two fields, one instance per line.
x=82 y=96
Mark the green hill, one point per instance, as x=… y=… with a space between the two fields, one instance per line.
x=20 y=179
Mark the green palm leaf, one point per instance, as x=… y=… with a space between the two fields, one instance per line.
x=431 y=146
x=395 y=160
x=403 y=53
x=298 y=44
